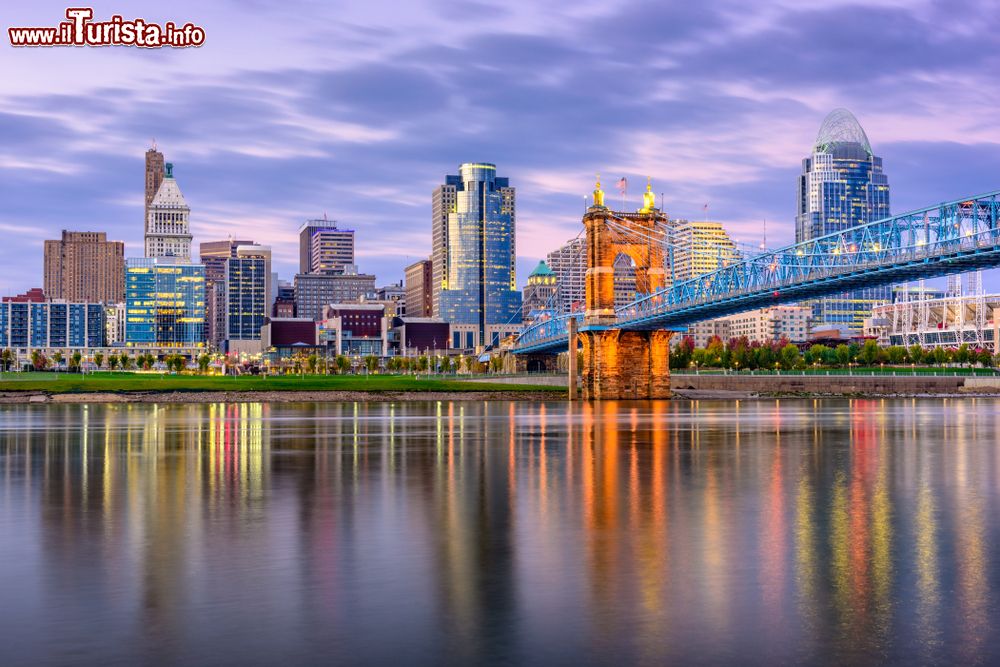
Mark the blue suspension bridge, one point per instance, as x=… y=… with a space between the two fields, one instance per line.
x=952 y=237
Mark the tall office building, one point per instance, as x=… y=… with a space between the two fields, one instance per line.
x=476 y=252
x=164 y=303
x=213 y=255
x=419 y=293
x=248 y=275
x=85 y=266
x=315 y=290
x=168 y=229
x=842 y=185
x=154 y=176
x=569 y=263
x=324 y=247
x=700 y=248
x=442 y=205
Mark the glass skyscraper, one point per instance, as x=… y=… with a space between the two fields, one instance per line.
x=474 y=254
x=164 y=303
x=842 y=185
x=247 y=276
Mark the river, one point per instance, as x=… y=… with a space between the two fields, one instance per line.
x=757 y=532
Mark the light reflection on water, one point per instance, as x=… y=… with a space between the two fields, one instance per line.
x=762 y=532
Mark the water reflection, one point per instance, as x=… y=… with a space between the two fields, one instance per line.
x=617 y=532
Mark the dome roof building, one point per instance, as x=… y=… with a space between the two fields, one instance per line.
x=841 y=129
x=841 y=186
x=542 y=275
x=541 y=292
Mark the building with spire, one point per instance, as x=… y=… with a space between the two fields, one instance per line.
x=168 y=229
x=541 y=293
x=842 y=185
x=473 y=256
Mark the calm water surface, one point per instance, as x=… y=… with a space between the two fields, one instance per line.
x=821 y=532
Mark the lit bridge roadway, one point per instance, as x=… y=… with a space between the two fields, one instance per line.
x=949 y=238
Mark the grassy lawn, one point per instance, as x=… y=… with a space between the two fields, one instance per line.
x=62 y=383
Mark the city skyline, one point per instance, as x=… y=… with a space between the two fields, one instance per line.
x=370 y=166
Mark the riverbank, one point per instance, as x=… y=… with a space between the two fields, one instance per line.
x=148 y=388
x=832 y=385
x=157 y=388
x=276 y=396
x=54 y=383
x=743 y=386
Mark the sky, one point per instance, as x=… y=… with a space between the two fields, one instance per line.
x=294 y=109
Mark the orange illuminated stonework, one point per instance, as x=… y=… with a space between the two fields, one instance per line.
x=626 y=364
x=622 y=364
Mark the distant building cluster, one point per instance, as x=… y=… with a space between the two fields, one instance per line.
x=228 y=299
x=463 y=297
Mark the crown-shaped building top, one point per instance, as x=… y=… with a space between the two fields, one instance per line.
x=169 y=195
x=168 y=229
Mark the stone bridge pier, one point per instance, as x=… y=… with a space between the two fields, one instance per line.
x=620 y=364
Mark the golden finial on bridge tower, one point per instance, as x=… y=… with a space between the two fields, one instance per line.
x=648 y=198
x=598 y=193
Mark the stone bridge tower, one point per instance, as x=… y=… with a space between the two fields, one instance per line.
x=617 y=363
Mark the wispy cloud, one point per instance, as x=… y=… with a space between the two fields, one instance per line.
x=299 y=107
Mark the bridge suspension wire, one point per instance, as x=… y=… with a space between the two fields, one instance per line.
x=943 y=239
x=663 y=233
x=841 y=247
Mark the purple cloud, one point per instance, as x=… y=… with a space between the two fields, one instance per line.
x=295 y=109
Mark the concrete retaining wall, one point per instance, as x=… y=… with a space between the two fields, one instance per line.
x=806 y=384
x=820 y=384
x=983 y=383
x=540 y=380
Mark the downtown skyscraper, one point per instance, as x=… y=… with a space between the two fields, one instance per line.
x=324 y=247
x=168 y=228
x=85 y=266
x=215 y=255
x=155 y=170
x=473 y=256
x=842 y=185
